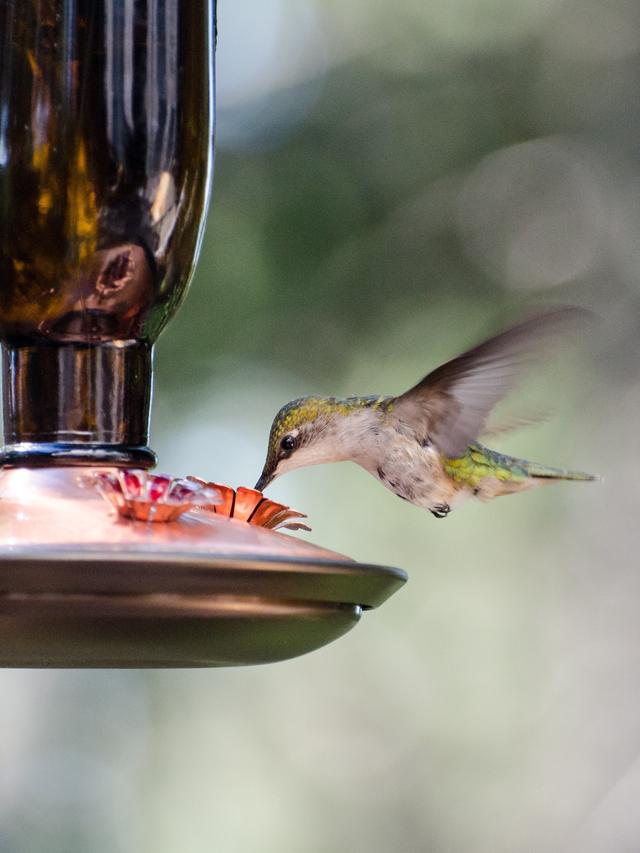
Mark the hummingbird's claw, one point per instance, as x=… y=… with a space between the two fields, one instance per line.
x=440 y=510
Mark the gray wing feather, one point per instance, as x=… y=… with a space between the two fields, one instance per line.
x=450 y=406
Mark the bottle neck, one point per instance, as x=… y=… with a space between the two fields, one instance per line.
x=76 y=404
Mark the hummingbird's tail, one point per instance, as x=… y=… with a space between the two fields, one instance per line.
x=543 y=472
x=490 y=474
x=519 y=474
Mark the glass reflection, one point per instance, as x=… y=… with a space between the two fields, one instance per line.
x=104 y=159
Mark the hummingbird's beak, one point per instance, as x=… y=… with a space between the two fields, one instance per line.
x=263 y=482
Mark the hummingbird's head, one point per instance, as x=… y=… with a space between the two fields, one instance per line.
x=307 y=431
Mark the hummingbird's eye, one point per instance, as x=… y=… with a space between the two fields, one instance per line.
x=288 y=443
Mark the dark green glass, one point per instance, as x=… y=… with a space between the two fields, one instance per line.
x=106 y=121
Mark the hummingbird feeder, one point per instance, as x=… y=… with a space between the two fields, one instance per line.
x=106 y=129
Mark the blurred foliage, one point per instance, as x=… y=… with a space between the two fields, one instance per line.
x=300 y=247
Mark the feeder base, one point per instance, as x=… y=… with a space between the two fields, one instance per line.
x=163 y=631
x=81 y=586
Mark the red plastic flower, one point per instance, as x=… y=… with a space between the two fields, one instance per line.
x=251 y=506
x=152 y=497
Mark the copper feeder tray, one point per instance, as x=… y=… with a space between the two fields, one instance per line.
x=82 y=587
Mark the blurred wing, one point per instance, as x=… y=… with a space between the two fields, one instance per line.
x=450 y=406
x=511 y=424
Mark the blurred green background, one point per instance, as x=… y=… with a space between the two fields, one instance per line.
x=392 y=182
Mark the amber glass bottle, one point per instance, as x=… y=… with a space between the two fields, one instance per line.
x=106 y=117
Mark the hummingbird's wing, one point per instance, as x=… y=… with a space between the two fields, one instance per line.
x=450 y=406
x=515 y=422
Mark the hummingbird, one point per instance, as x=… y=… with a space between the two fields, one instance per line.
x=423 y=444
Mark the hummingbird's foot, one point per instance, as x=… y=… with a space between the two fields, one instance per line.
x=440 y=510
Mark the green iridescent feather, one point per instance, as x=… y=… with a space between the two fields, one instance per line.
x=479 y=462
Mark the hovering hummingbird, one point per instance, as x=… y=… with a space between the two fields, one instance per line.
x=423 y=445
